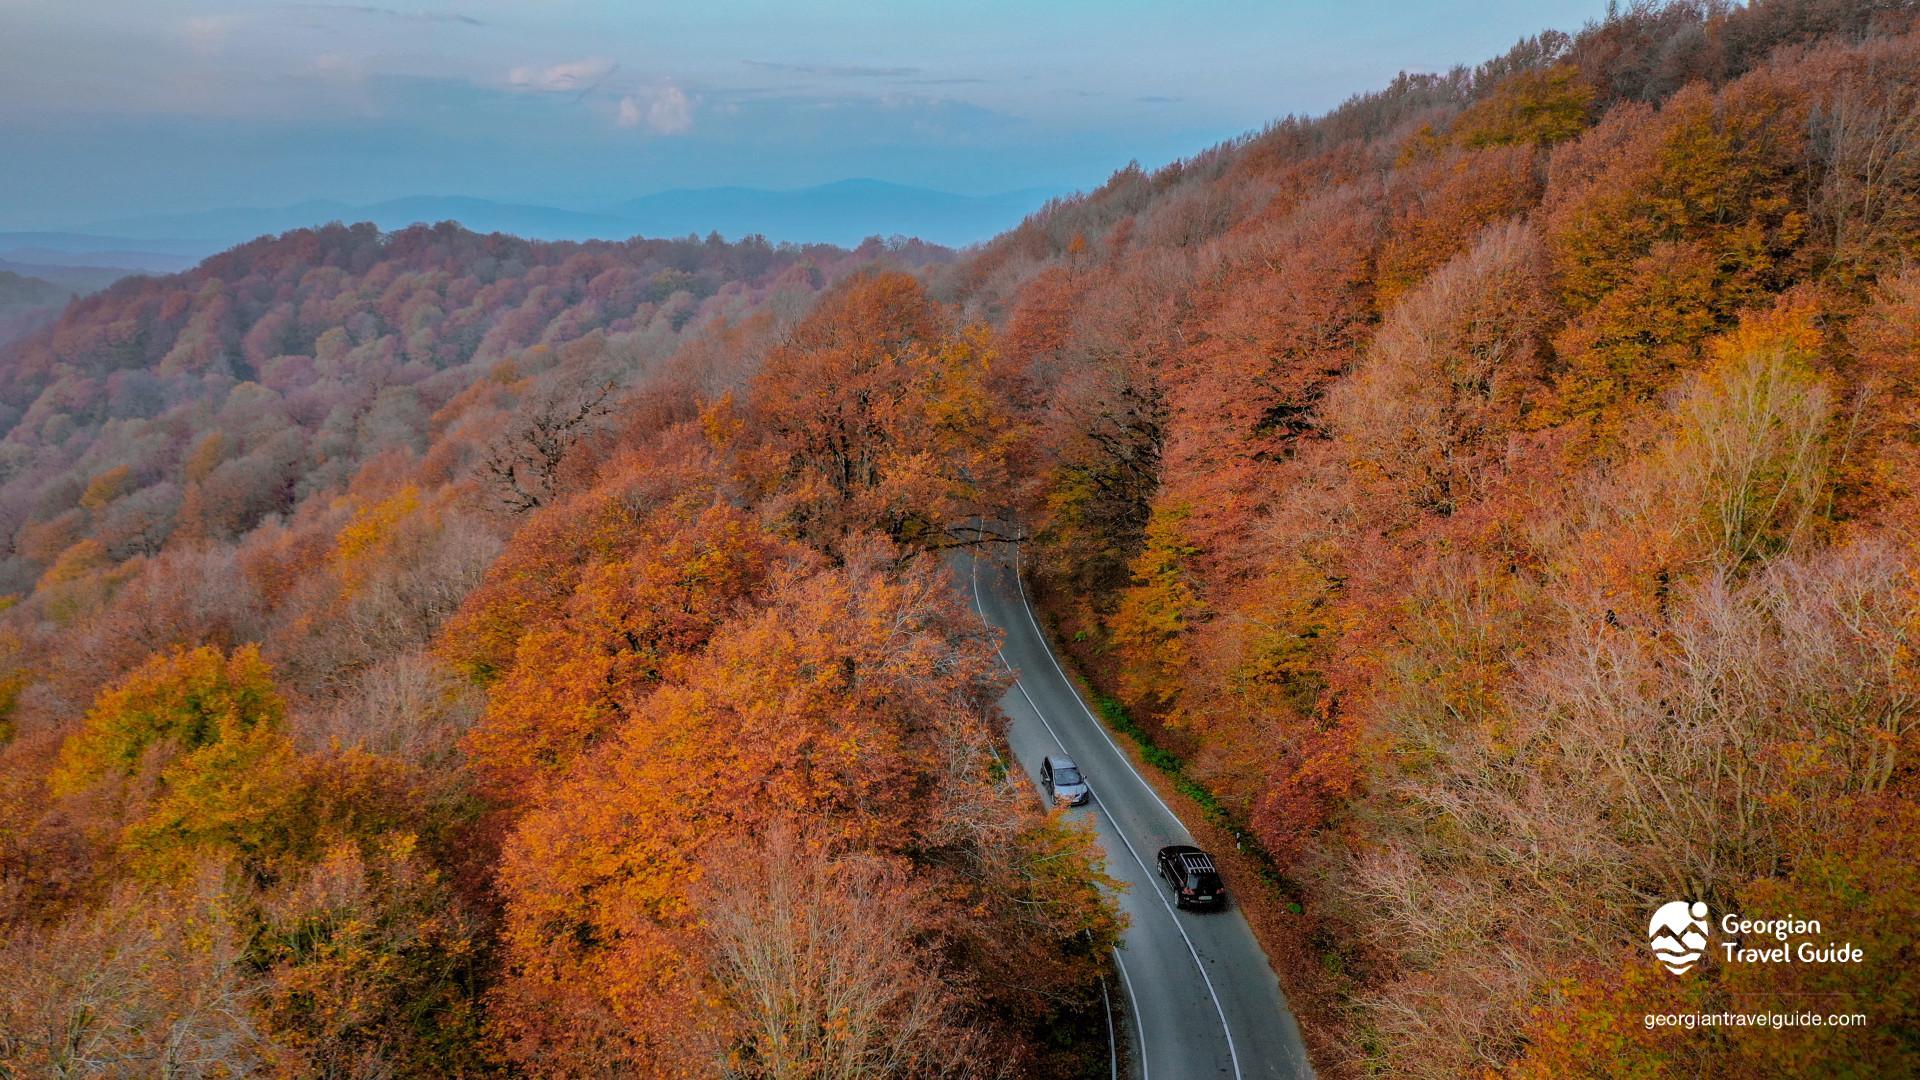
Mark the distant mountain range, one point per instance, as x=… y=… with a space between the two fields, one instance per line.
x=844 y=213
x=78 y=279
x=83 y=262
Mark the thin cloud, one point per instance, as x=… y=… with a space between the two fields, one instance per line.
x=572 y=77
x=849 y=71
x=665 y=111
x=208 y=34
x=395 y=13
x=671 y=112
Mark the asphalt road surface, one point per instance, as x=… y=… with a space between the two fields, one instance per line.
x=1205 y=1002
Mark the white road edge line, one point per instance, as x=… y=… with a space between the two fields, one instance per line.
x=1138 y=1025
x=1019 y=582
x=1047 y=646
x=1113 y=1043
x=1113 y=1050
x=1139 y=1022
x=1220 y=1010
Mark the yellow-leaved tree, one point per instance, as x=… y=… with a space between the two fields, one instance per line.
x=212 y=726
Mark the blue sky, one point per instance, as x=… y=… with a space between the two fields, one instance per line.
x=113 y=108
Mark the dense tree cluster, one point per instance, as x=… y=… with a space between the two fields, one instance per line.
x=1499 y=493
x=435 y=654
x=208 y=401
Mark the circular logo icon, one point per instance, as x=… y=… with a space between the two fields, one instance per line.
x=1678 y=933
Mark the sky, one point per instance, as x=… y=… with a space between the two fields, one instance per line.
x=118 y=108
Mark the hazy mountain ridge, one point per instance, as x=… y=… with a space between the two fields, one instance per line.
x=28 y=302
x=844 y=213
x=79 y=279
x=22 y=291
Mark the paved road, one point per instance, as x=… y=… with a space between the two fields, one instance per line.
x=1205 y=1000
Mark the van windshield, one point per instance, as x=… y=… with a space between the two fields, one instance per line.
x=1066 y=776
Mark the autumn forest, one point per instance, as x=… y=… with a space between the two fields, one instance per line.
x=1492 y=506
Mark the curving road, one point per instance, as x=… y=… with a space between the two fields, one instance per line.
x=1205 y=1001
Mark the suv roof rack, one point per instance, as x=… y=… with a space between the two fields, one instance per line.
x=1198 y=862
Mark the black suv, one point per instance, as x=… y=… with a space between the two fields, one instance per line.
x=1191 y=873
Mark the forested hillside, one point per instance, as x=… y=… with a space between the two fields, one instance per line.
x=1500 y=494
x=431 y=654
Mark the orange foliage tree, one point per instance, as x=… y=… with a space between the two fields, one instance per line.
x=632 y=621
x=852 y=702
x=1686 y=220
x=874 y=415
